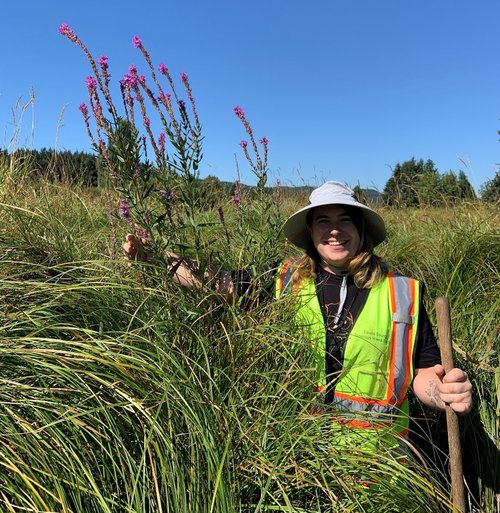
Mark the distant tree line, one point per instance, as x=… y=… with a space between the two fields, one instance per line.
x=490 y=191
x=412 y=183
x=415 y=183
x=68 y=166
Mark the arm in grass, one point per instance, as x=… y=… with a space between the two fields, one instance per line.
x=436 y=388
x=184 y=268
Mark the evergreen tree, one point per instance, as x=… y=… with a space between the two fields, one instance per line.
x=416 y=183
x=428 y=183
x=409 y=180
x=490 y=191
x=449 y=190
x=466 y=190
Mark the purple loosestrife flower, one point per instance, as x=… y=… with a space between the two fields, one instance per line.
x=142 y=234
x=164 y=98
x=161 y=141
x=123 y=209
x=91 y=83
x=132 y=69
x=129 y=81
x=166 y=195
x=265 y=141
x=84 y=110
x=237 y=193
x=146 y=121
x=239 y=112
x=103 y=61
x=66 y=31
x=102 y=81
x=182 y=109
x=244 y=144
x=184 y=77
x=136 y=41
x=256 y=167
x=97 y=109
x=162 y=68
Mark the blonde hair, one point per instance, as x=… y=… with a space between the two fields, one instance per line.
x=366 y=267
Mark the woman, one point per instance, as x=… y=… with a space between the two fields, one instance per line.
x=373 y=339
x=369 y=329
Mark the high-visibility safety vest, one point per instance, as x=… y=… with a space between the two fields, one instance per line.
x=377 y=367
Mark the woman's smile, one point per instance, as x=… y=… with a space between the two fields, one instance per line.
x=334 y=236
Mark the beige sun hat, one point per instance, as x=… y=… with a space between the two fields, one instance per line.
x=332 y=193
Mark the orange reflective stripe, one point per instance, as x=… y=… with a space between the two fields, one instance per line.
x=358 y=424
x=401 y=339
x=364 y=400
x=282 y=274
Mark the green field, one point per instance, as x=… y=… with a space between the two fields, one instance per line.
x=121 y=392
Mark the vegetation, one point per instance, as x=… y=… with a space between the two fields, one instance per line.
x=490 y=191
x=122 y=392
x=64 y=166
x=415 y=183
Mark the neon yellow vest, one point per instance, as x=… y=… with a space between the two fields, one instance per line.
x=378 y=358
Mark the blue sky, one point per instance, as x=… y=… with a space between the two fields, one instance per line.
x=343 y=90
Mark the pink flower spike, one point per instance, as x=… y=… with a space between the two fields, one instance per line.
x=136 y=42
x=132 y=69
x=146 y=121
x=129 y=81
x=91 y=83
x=243 y=143
x=164 y=98
x=239 y=112
x=161 y=140
x=64 y=30
x=162 y=68
x=103 y=61
x=264 y=141
x=83 y=109
x=184 y=77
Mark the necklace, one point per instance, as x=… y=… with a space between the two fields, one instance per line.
x=336 y=321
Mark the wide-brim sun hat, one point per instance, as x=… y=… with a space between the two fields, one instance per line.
x=332 y=193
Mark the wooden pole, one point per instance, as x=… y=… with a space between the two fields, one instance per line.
x=456 y=470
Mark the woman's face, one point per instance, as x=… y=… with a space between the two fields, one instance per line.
x=334 y=236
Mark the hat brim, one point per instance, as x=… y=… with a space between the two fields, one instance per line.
x=295 y=227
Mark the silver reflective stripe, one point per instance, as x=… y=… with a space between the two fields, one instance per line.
x=402 y=320
x=400 y=317
x=286 y=280
x=351 y=405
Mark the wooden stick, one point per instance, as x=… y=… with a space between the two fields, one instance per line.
x=456 y=470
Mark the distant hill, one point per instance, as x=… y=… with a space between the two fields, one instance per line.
x=371 y=196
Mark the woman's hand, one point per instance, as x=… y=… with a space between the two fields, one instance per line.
x=184 y=270
x=134 y=248
x=437 y=388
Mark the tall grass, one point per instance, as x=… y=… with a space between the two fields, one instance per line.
x=121 y=392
